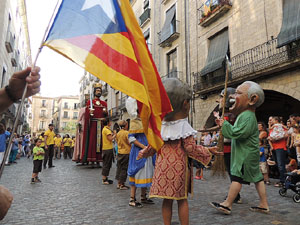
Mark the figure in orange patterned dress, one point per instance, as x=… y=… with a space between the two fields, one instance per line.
x=173 y=175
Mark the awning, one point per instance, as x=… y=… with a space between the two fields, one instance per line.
x=166 y=30
x=290 y=28
x=216 y=53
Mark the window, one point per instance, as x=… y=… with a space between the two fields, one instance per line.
x=147 y=38
x=290 y=28
x=218 y=48
x=76 y=105
x=43 y=113
x=66 y=105
x=43 y=103
x=42 y=125
x=172 y=63
x=64 y=125
x=66 y=114
x=169 y=27
x=146 y=4
x=75 y=115
x=3 y=77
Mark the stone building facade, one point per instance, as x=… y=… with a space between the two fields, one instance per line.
x=15 y=53
x=250 y=34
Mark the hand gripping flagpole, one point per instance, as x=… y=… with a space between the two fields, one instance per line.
x=219 y=167
x=8 y=149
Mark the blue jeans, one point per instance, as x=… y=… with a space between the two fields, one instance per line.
x=280 y=160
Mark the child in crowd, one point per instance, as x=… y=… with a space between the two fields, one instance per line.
x=38 y=157
x=107 y=150
x=263 y=162
x=292 y=165
x=67 y=146
x=173 y=174
x=123 y=155
x=140 y=171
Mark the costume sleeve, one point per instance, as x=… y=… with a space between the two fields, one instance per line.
x=197 y=152
x=131 y=138
x=241 y=129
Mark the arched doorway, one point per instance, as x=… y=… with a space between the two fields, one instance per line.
x=275 y=104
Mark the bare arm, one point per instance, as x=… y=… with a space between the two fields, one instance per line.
x=16 y=87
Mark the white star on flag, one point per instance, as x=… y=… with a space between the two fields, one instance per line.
x=106 y=5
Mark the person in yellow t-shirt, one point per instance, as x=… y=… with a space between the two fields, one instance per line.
x=49 y=146
x=107 y=150
x=123 y=155
x=57 y=144
x=67 y=146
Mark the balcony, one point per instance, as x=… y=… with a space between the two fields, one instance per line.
x=217 y=10
x=104 y=90
x=43 y=115
x=164 y=2
x=145 y=17
x=173 y=74
x=10 y=42
x=15 y=59
x=114 y=113
x=12 y=109
x=174 y=34
x=122 y=105
x=43 y=105
x=262 y=60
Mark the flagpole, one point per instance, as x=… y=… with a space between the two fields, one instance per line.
x=8 y=149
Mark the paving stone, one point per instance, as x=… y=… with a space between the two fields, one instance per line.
x=71 y=194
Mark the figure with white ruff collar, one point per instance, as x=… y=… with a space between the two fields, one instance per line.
x=140 y=170
x=173 y=175
x=244 y=137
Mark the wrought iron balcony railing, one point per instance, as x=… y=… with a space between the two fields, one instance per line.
x=217 y=8
x=145 y=16
x=122 y=105
x=173 y=74
x=259 y=61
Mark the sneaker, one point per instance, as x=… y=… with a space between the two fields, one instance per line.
x=38 y=180
x=32 y=181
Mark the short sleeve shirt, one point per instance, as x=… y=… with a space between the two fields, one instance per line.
x=123 y=142
x=37 y=149
x=106 y=144
x=57 y=141
x=50 y=137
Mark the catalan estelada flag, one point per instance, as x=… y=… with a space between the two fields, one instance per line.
x=104 y=38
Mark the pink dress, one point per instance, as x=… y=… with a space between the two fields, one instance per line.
x=79 y=137
x=173 y=177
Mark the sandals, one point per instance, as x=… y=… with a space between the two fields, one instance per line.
x=135 y=203
x=221 y=208
x=123 y=187
x=279 y=184
x=259 y=209
x=146 y=201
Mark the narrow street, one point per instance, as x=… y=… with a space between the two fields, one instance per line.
x=71 y=194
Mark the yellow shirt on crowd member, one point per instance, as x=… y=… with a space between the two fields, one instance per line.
x=106 y=144
x=57 y=141
x=50 y=137
x=123 y=143
x=43 y=141
x=67 y=142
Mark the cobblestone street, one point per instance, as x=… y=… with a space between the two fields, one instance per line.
x=71 y=194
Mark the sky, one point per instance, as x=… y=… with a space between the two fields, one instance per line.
x=59 y=76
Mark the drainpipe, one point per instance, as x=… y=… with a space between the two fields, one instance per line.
x=187 y=49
